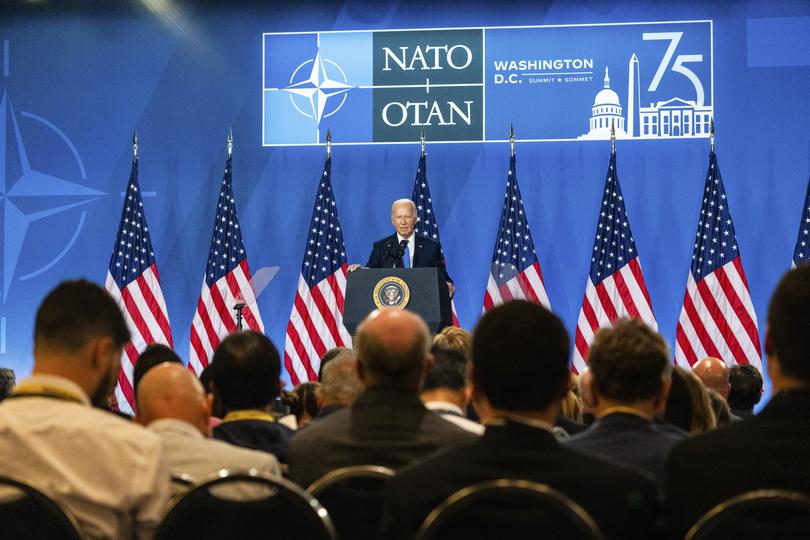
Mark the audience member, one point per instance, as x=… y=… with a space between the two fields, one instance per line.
x=340 y=385
x=110 y=473
x=688 y=406
x=722 y=414
x=446 y=391
x=387 y=425
x=330 y=355
x=713 y=373
x=246 y=380
x=523 y=345
x=454 y=339
x=631 y=375
x=153 y=355
x=7 y=382
x=768 y=451
x=746 y=389
x=172 y=403
x=302 y=403
x=584 y=381
x=569 y=420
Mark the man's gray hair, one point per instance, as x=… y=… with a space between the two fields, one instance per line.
x=340 y=384
x=401 y=202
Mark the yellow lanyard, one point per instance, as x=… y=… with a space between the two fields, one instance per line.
x=46 y=391
x=248 y=414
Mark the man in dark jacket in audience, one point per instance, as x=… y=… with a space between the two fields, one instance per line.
x=521 y=345
x=630 y=378
x=246 y=381
x=746 y=389
x=767 y=451
x=387 y=425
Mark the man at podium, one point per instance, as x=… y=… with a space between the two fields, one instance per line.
x=405 y=248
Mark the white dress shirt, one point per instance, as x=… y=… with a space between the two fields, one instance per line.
x=453 y=413
x=189 y=453
x=411 y=245
x=109 y=472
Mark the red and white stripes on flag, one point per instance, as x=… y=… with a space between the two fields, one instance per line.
x=717 y=318
x=515 y=272
x=133 y=282
x=225 y=284
x=615 y=287
x=316 y=319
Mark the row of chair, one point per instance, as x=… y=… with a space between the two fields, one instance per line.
x=347 y=504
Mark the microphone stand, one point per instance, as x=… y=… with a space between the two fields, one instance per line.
x=238 y=308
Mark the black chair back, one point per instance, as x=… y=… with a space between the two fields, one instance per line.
x=246 y=506
x=354 y=497
x=507 y=508
x=757 y=515
x=26 y=512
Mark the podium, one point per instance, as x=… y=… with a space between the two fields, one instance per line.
x=420 y=290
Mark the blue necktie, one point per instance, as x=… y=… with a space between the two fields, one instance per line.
x=406 y=257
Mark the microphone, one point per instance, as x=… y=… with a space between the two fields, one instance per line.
x=401 y=250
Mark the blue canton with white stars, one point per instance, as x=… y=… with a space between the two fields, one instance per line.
x=325 y=249
x=514 y=250
x=614 y=245
x=227 y=249
x=132 y=253
x=801 y=255
x=715 y=241
x=425 y=218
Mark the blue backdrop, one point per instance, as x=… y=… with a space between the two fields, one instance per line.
x=77 y=81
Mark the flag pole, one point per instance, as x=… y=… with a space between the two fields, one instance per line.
x=711 y=134
x=328 y=143
x=511 y=139
x=135 y=145
x=422 y=144
x=612 y=138
x=229 y=141
x=239 y=306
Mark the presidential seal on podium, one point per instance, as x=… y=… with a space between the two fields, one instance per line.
x=391 y=293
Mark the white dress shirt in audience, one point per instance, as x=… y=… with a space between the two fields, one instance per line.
x=453 y=413
x=189 y=453
x=109 y=472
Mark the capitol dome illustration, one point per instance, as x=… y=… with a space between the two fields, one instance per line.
x=606 y=110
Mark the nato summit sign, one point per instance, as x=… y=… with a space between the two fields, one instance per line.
x=649 y=80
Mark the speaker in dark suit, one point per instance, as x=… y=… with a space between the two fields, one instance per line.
x=386 y=253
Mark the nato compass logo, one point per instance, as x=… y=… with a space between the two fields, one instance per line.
x=29 y=196
x=318 y=88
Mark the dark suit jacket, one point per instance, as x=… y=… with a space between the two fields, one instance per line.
x=385 y=426
x=770 y=450
x=427 y=254
x=629 y=439
x=261 y=435
x=623 y=501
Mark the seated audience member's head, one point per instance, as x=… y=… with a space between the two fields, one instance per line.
x=333 y=354
x=688 y=406
x=571 y=403
x=246 y=371
x=302 y=402
x=447 y=378
x=722 y=413
x=520 y=361
x=392 y=350
x=169 y=390
x=340 y=385
x=629 y=366
x=713 y=373
x=585 y=383
x=455 y=339
x=787 y=338
x=746 y=387
x=79 y=334
x=7 y=382
x=153 y=355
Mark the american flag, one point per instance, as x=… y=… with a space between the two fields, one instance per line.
x=133 y=281
x=717 y=318
x=515 y=273
x=225 y=284
x=615 y=287
x=801 y=254
x=316 y=320
x=426 y=222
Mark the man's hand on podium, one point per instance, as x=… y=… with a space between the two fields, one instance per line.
x=353 y=267
x=451 y=288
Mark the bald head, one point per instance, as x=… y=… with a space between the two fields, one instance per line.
x=169 y=390
x=713 y=372
x=392 y=349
